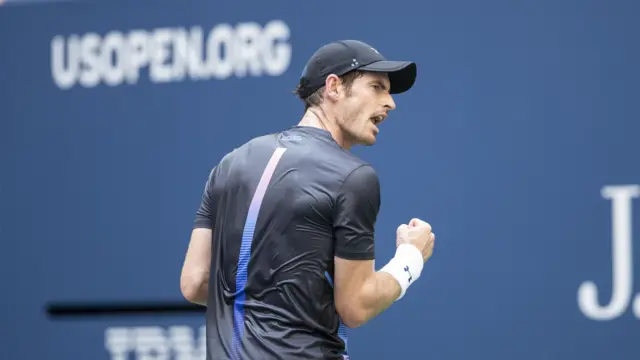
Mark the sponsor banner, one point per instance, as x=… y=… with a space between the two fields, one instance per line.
x=171 y=54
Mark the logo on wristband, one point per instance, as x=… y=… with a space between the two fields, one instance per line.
x=406 y=268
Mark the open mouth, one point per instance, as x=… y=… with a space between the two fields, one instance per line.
x=377 y=119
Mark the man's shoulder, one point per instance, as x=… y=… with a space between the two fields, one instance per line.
x=354 y=165
x=345 y=164
x=347 y=168
x=362 y=175
x=261 y=140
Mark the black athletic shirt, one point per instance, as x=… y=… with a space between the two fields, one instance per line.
x=281 y=207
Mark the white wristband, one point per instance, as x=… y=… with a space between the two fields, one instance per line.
x=405 y=267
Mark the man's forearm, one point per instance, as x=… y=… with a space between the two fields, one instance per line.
x=390 y=283
x=195 y=289
x=377 y=294
x=194 y=277
x=201 y=295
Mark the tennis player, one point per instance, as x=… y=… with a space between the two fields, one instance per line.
x=282 y=250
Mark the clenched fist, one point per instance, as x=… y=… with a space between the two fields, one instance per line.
x=419 y=234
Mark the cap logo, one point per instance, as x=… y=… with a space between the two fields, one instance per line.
x=354 y=63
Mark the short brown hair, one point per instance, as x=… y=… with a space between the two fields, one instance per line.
x=316 y=98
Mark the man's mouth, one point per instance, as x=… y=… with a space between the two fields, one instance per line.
x=376 y=120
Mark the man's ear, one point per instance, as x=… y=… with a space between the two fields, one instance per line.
x=333 y=87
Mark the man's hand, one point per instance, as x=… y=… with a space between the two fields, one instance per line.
x=419 y=234
x=362 y=293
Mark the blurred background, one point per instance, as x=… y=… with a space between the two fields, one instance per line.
x=520 y=144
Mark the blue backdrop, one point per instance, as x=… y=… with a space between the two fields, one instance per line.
x=519 y=144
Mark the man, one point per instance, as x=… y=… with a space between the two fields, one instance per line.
x=282 y=253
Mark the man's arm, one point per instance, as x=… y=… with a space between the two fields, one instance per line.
x=194 y=279
x=360 y=292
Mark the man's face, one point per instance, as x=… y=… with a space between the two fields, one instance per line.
x=361 y=111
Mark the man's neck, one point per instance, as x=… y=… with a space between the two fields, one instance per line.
x=316 y=118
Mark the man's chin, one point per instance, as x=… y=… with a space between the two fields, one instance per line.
x=366 y=139
x=369 y=140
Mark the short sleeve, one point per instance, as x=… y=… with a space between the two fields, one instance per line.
x=356 y=211
x=206 y=212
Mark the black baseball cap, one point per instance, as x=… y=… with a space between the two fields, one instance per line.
x=341 y=57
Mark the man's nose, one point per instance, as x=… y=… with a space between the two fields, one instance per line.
x=389 y=103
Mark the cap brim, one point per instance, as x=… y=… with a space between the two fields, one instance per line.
x=402 y=74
